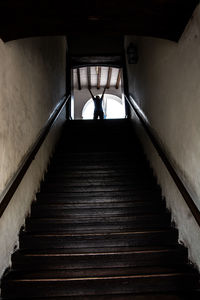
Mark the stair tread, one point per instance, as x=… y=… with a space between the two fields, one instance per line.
x=98 y=272
x=149 y=296
x=176 y=274
x=109 y=249
x=169 y=282
x=62 y=252
x=103 y=249
x=125 y=233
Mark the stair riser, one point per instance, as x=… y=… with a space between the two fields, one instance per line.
x=50 y=213
x=135 y=240
x=96 y=227
x=80 y=198
x=149 y=296
x=99 y=286
x=93 y=189
x=97 y=272
x=98 y=174
x=64 y=183
x=157 y=206
x=98 y=261
x=136 y=168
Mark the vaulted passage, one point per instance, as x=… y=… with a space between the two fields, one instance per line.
x=99 y=228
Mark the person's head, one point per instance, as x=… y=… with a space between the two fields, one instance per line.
x=98 y=98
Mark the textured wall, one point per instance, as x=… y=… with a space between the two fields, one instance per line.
x=82 y=96
x=32 y=80
x=165 y=83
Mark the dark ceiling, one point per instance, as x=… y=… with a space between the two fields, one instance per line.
x=159 y=18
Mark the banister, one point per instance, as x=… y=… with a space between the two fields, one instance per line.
x=14 y=182
x=183 y=190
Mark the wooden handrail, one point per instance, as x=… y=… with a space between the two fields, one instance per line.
x=18 y=176
x=183 y=190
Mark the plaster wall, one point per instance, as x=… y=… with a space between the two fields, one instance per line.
x=32 y=80
x=165 y=84
x=83 y=95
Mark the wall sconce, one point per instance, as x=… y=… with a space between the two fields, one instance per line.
x=132 y=54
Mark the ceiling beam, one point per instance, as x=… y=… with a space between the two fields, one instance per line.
x=79 y=79
x=118 y=79
x=89 y=77
x=109 y=77
x=99 y=78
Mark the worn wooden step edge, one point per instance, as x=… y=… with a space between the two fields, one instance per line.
x=104 y=285
x=98 y=198
x=80 y=213
x=92 y=183
x=108 y=278
x=56 y=211
x=105 y=249
x=46 y=240
x=150 y=296
x=106 y=195
x=102 y=219
x=78 y=273
x=107 y=255
x=100 y=163
x=96 y=272
x=108 y=172
x=100 y=225
x=106 y=235
x=98 y=260
x=101 y=205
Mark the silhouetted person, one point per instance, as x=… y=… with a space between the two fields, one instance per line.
x=98 y=109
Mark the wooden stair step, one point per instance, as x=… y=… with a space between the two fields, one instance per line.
x=87 y=260
x=33 y=273
x=154 y=283
x=98 y=197
x=101 y=219
x=95 y=178
x=149 y=205
x=98 y=168
x=101 y=224
x=99 y=164
x=99 y=172
x=97 y=188
x=136 y=238
x=101 y=154
x=150 y=296
x=103 y=249
x=55 y=183
x=58 y=211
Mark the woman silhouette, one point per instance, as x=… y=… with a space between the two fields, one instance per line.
x=98 y=109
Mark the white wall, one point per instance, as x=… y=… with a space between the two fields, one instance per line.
x=165 y=83
x=83 y=95
x=32 y=80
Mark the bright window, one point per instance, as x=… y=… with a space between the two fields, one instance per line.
x=113 y=108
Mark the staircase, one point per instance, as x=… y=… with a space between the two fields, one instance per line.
x=99 y=228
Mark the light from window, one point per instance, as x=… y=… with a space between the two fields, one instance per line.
x=113 y=108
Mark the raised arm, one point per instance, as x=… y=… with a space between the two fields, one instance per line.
x=91 y=93
x=103 y=92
